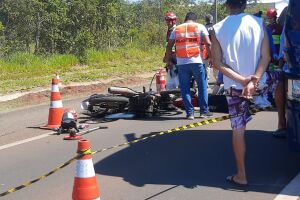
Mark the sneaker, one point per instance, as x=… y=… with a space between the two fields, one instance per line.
x=190 y=117
x=206 y=115
x=280 y=133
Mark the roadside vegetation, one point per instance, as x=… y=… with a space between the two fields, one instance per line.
x=23 y=71
x=86 y=40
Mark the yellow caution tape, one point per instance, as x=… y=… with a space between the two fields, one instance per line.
x=89 y=151
x=189 y=126
x=37 y=179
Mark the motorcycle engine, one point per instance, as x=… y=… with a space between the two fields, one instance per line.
x=143 y=105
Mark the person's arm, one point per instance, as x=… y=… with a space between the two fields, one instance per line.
x=168 y=54
x=171 y=43
x=216 y=53
x=204 y=35
x=265 y=57
x=261 y=68
x=207 y=44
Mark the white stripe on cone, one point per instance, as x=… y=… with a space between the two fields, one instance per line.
x=59 y=83
x=85 y=168
x=55 y=88
x=56 y=104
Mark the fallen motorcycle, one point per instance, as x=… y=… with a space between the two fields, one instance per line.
x=147 y=103
x=123 y=99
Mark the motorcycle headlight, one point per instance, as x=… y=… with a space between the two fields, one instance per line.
x=84 y=105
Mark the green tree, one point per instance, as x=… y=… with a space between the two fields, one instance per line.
x=74 y=26
x=16 y=16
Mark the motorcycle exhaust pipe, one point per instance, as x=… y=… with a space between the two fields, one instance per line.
x=122 y=91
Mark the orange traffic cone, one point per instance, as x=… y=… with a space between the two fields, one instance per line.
x=85 y=183
x=56 y=109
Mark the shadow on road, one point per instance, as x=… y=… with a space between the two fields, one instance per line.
x=203 y=158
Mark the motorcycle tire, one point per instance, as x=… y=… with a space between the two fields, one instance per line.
x=107 y=104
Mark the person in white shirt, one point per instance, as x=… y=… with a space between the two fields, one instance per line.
x=240 y=50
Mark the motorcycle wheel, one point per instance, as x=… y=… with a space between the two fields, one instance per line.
x=107 y=104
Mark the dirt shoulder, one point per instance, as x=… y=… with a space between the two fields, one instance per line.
x=74 y=90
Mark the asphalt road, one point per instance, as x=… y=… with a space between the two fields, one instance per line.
x=186 y=165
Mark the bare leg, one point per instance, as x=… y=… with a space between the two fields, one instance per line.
x=280 y=104
x=239 y=148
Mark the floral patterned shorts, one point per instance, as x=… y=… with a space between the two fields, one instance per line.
x=239 y=107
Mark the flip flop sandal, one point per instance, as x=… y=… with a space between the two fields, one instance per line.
x=231 y=180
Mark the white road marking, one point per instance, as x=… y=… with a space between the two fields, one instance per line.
x=25 y=141
x=291 y=191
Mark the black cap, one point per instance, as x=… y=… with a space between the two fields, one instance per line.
x=209 y=18
x=258 y=14
x=236 y=2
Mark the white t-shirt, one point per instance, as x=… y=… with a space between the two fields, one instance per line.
x=240 y=37
x=182 y=61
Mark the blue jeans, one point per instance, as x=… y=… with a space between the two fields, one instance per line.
x=185 y=73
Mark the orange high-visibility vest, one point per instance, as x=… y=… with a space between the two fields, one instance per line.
x=204 y=51
x=187 y=40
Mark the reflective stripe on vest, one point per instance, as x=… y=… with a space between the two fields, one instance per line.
x=187 y=41
x=276 y=39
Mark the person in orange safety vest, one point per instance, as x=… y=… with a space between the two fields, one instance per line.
x=187 y=38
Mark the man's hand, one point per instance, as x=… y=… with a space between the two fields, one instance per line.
x=252 y=78
x=249 y=90
x=255 y=80
x=246 y=81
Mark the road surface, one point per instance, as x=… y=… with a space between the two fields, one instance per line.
x=185 y=165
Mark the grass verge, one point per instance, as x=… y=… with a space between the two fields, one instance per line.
x=23 y=72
